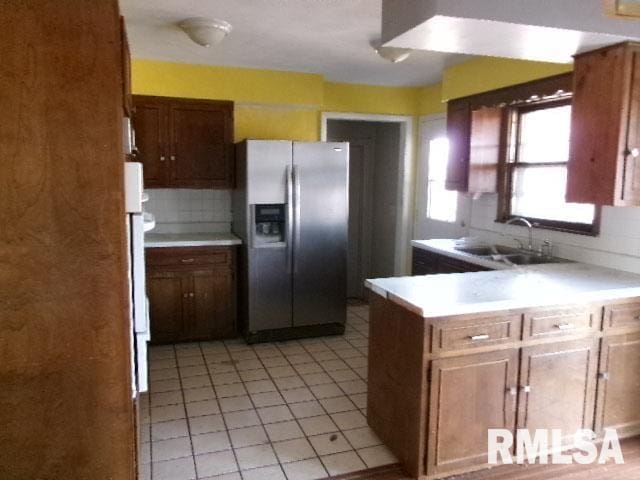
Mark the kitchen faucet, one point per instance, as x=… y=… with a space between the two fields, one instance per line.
x=527 y=224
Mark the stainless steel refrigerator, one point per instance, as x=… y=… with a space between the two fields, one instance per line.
x=290 y=208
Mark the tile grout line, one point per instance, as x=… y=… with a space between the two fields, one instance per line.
x=278 y=346
x=186 y=414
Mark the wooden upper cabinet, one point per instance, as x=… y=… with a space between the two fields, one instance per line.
x=184 y=143
x=486 y=147
x=200 y=139
x=604 y=160
x=150 y=131
x=458 y=133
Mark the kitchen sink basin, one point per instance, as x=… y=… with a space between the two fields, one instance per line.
x=508 y=255
x=488 y=250
x=530 y=259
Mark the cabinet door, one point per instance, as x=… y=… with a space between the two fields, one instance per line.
x=557 y=386
x=201 y=141
x=619 y=385
x=631 y=187
x=469 y=395
x=212 y=305
x=594 y=173
x=167 y=291
x=149 y=124
x=459 y=135
x=486 y=149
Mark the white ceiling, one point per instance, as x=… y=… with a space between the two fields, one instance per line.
x=330 y=37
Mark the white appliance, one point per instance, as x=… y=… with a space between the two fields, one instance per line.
x=138 y=223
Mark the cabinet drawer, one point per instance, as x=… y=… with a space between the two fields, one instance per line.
x=188 y=256
x=623 y=315
x=561 y=322
x=475 y=333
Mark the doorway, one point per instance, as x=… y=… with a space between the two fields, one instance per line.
x=439 y=213
x=374 y=175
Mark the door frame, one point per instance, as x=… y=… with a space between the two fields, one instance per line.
x=405 y=193
x=426 y=125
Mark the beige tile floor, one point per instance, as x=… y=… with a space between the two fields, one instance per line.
x=229 y=411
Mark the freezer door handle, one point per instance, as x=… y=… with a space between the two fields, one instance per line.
x=296 y=212
x=289 y=219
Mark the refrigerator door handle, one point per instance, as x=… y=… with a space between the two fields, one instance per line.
x=289 y=219
x=296 y=210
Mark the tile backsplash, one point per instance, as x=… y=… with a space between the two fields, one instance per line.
x=189 y=210
x=617 y=246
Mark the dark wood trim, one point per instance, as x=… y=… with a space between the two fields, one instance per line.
x=520 y=93
x=508 y=165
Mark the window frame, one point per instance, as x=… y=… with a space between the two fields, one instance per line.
x=507 y=169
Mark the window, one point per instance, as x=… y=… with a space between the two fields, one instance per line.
x=537 y=169
x=442 y=204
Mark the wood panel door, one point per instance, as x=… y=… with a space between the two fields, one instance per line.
x=631 y=187
x=168 y=293
x=469 y=395
x=201 y=140
x=459 y=135
x=619 y=385
x=557 y=386
x=211 y=304
x=487 y=147
x=150 y=125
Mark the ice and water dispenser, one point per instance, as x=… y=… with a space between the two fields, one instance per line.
x=268 y=225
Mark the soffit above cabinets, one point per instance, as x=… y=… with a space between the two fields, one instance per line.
x=543 y=30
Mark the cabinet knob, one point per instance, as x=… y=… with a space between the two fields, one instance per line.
x=162 y=158
x=192 y=294
x=603 y=375
x=185 y=295
x=173 y=158
x=635 y=152
x=513 y=391
x=526 y=389
x=187 y=260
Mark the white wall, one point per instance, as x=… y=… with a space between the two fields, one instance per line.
x=617 y=246
x=190 y=210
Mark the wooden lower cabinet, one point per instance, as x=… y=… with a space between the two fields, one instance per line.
x=468 y=396
x=192 y=294
x=558 y=386
x=565 y=367
x=429 y=263
x=168 y=298
x=619 y=385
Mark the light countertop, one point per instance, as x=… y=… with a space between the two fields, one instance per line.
x=190 y=240
x=514 y=288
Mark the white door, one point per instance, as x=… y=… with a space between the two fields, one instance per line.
x=439 y=213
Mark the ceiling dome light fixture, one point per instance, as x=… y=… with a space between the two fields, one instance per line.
x=392 y=54
x=205 y=31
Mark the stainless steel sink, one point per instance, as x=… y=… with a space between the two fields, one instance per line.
x=509 y=255
x=531 y=259
x=488 y=250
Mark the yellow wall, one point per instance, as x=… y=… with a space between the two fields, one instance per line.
x=287 y=105
x=489 y=73
x=344 y=97
x=430 y=100
x=271 y=104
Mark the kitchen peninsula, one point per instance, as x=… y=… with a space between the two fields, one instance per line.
x=545 y=346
